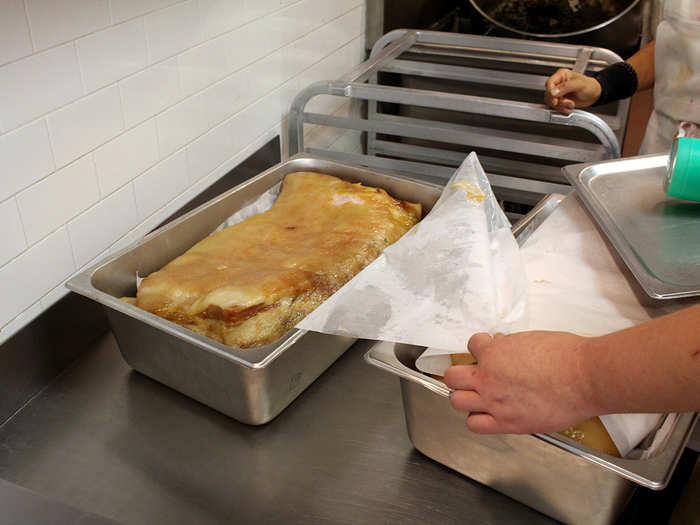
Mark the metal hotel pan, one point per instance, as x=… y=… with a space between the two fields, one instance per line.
x=551 y=473
x=253 y=385
x=557 y=476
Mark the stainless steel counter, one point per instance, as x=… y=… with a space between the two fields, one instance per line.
x=110 y=441
x=23 y=507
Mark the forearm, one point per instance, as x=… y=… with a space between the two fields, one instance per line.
x=643 y=64
x=652 y=367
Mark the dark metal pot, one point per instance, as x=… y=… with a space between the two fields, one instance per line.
x=620 y=33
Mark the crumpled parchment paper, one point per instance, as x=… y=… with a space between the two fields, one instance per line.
x=455 y=273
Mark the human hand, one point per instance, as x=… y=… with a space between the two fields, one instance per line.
x=566 y=90
x=523 y=383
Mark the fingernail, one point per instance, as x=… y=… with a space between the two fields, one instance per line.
x=555 y=91
x=555 y=102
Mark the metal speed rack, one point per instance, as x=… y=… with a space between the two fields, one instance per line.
x=430 y=98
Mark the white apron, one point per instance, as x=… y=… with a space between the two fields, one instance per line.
x=676 y=88
x=677 y=76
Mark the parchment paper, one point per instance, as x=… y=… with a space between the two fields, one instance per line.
x=457 y=272
x=577 y=284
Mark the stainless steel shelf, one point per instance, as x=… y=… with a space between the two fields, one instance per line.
x=460 y=93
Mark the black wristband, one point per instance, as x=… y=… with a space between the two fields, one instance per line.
x=617 y=81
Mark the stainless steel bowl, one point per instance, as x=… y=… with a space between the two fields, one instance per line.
x=620 y=33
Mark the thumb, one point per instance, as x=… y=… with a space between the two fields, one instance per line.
x=478 y=343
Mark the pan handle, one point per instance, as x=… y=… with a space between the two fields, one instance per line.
x=382 y=356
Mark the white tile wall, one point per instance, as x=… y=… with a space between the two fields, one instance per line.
x=126 y=9
x=203 y=65
x=183 y=123
x=245 y=45
x=85 y=124
x=210 y=150
x=220 y=16
x=50 y=203
x=13 y=242
x=229 y=96
x=30 y=276
x=172 y=30
x=54 y=22
x=38 y=84
x=15 y=41
x=21 y=320
x=25 y=157
x=112 y=54
x=256 y=8
x=161 y=184
x=122 y=159
x=149 y=92
x=52 y=297
x=115 y=216
x=114 y=113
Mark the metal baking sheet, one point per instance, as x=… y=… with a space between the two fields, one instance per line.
x=657 y=236
x=250 y=385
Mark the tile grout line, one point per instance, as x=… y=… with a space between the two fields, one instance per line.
x=94 y=204
x=36 y=51
x=111 y=13
x=276 y=126
x=216 y=125
x=160 y=160
x=255 y=142
x=99 y=186
x=72 y=254
x=51 y=148
x=252 y=143
x=24 y=228
x=201 y=91
x=136 y=205
x=82 y=76
x=150 y=65
x=31 y=34
x=276 y=88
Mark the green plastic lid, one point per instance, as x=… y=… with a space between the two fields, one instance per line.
x=683 y=174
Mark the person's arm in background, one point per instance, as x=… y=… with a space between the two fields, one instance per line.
x=643 y=64
x=566 y=90
x=532 y=382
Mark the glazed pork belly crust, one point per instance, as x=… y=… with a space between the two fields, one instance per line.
x=249 y=284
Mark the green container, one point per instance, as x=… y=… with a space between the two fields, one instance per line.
x=682 y=179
